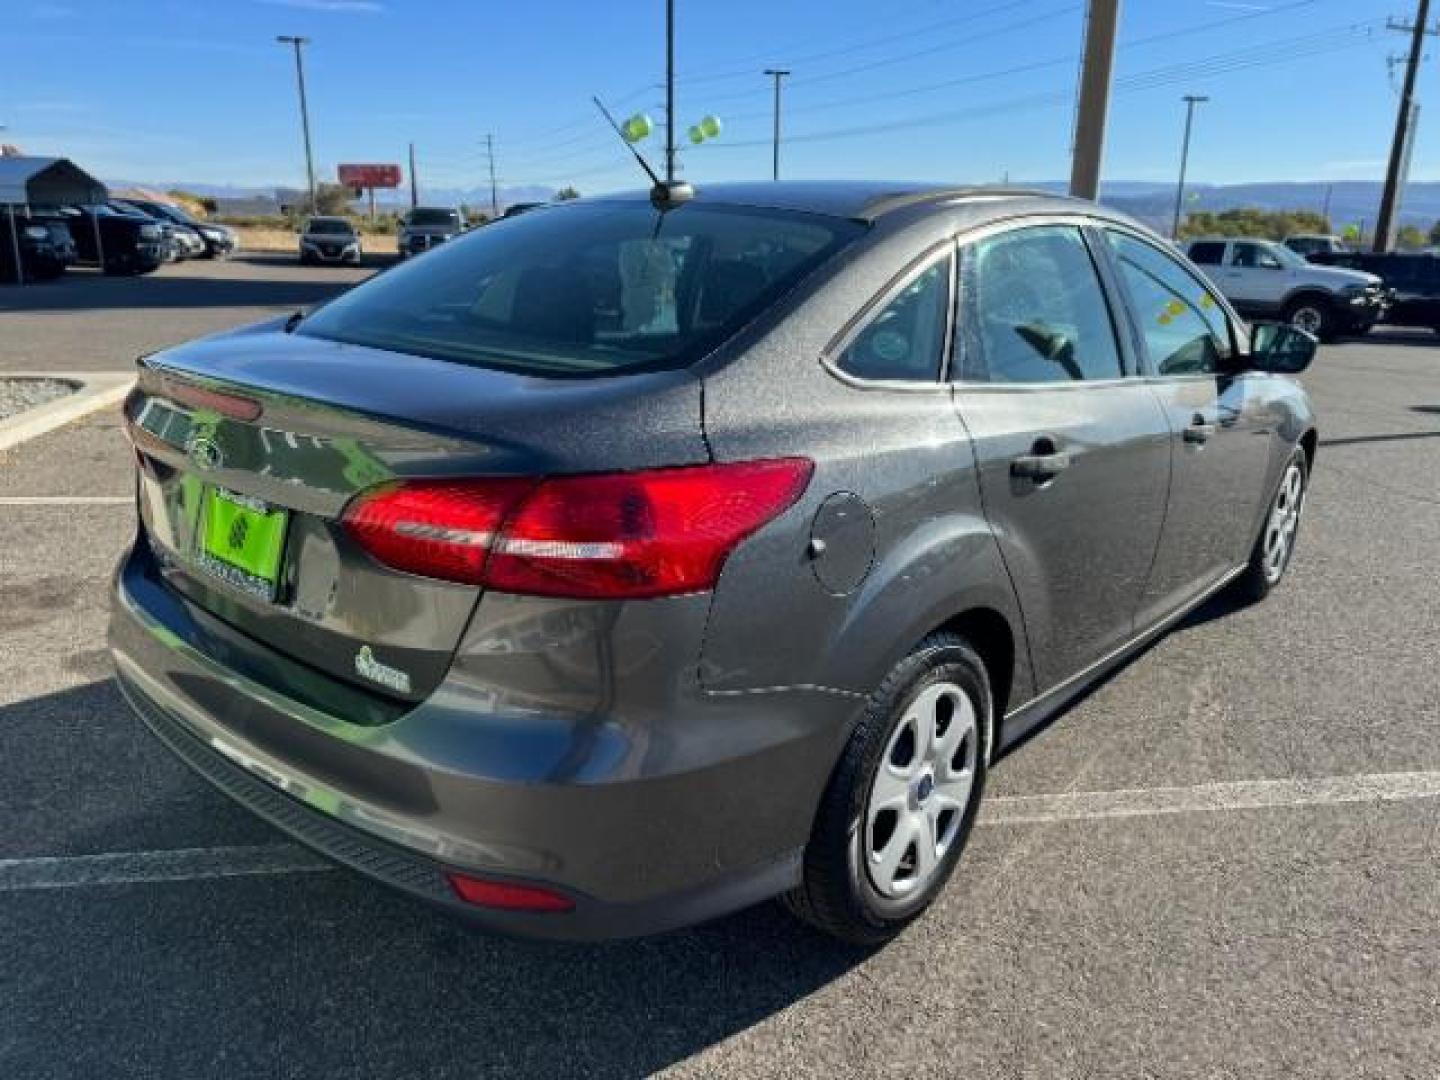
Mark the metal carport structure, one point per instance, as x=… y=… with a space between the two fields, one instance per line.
x=47 y=181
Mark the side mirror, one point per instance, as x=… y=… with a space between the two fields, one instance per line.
x=1281 y=348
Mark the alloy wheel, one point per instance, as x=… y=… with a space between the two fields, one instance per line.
x=920 y=791
x=1284 y=519
x=1309 y=318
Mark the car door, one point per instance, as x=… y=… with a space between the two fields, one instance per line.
x=1254 y=277
x=1220 y=422
x=1071 y=450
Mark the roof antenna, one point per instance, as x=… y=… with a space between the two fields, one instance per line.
x=665 y=195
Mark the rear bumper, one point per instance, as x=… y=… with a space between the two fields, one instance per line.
x=646 y=846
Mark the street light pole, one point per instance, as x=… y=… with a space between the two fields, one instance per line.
x=494 y=200
x=1191 y=100
x=777 y=74
x=298 y=42
x=669 y=92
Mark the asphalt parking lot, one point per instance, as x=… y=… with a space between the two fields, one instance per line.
x=1220 y=863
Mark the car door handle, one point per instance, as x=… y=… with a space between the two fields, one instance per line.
x=1199 y=430
x=1039 y=467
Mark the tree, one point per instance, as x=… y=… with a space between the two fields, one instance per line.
x=566 y=192
x=1410 y=237
x=1252 y=221
x=332 y=199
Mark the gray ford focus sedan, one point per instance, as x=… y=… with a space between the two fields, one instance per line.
x=628 y=562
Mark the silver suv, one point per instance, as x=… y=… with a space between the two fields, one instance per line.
x=1265 y=279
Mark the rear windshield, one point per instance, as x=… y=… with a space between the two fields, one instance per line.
x=433 y=217
x=329 y=227
x=588 y=289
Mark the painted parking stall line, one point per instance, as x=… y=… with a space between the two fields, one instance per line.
x=145 y=867
x=1219 y=796
x=194 y=864
x=67 y=500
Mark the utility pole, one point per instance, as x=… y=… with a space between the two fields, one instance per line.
x=777 y=74
x=494 y=201
x=298 y=43
x=1404 y=132
x=414 y=184
x=669 y=91
x=1191 y=100
x=1101 y=24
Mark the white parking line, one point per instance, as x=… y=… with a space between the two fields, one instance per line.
x=98 y=390
x=67 y=500
x=192 y=864
x=138 y=867
x=1226 y=795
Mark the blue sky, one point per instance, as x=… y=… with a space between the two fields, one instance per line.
x=962 y=90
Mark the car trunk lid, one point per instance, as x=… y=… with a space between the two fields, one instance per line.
x=252 y=444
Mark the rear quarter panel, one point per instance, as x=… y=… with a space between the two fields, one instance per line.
x=903 y=453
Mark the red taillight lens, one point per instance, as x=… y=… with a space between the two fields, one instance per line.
x=654 y=533
x=507 y=895
x=614 y=535
x=435 y=528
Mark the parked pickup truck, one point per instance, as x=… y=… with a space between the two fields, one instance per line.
x=1413 y=280
x=1264 y=279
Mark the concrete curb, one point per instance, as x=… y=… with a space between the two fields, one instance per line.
x=98 y=390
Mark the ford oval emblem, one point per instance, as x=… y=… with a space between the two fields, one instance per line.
x=205 y=454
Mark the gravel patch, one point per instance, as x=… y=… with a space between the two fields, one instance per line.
x=18 y=395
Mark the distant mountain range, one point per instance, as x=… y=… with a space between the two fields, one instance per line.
x=1350 y=202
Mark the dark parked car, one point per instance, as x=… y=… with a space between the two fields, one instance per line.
x=1413 y=281
x=133 y=244
x=618 y=567
x=331 y=240
x=218 y=241
x=426 y=227
x=46 y=247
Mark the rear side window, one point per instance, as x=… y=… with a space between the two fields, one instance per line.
x=1207 y=253
x=587 y=289
x=1184 y=327
x=905 y=340
x=1034 y=310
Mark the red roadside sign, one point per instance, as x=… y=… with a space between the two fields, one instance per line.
x=370 y=176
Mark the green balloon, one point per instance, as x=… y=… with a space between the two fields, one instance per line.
x=637 y=127
x=710 y=126
x=697 y=135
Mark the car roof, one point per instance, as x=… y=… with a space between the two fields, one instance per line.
x=861 y=200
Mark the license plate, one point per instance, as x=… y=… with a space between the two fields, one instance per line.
x=242 y=541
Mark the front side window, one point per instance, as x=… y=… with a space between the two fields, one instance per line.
x=905 y=340
x=592 y=288
x=1034 y=310
x=1255 y=257
x=1184 y=327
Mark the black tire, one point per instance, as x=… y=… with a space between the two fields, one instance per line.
x=1314 y=314
x=836 y=893
x=1259 y=580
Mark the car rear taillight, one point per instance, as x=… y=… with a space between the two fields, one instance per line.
x=435 y=528
x=614 y=535
x=508 y=896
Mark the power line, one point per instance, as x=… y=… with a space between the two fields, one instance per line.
x=1199 y=69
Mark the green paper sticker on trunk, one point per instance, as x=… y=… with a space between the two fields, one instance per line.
x=244 y=534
